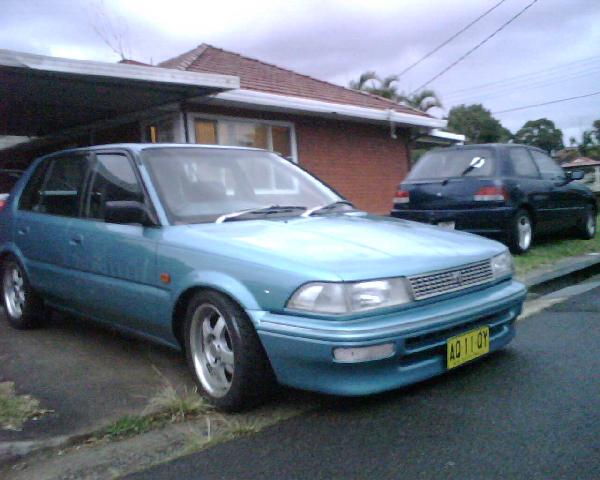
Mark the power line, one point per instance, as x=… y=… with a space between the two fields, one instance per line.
x=489 y=37
x=525 y=84
x=546 y=103
x=525 y=76
x=446 y=42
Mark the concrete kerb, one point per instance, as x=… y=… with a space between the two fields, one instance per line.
x=12 y=451
x=560 y=269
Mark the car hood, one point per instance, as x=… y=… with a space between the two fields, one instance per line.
x=350 y=246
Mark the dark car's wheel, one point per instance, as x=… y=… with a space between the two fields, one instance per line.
x=24 y=309
x=521 y=232
x=225 y=353
x=586 y=227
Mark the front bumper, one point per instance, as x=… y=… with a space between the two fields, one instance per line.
x=494 y=222
x=301 y=349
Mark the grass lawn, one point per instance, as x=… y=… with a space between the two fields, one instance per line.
x=547 y=251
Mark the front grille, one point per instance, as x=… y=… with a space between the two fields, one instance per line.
x=432 y=284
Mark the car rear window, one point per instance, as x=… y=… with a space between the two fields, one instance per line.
x=453 y=163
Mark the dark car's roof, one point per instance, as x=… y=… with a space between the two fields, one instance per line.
x=494 y=146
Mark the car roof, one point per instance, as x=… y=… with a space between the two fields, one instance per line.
x=139 y=147
x=495 y=146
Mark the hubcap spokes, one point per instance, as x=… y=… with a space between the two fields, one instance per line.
x=14 y=291
x=591 y=224
x=524 y=227
x=211 y=350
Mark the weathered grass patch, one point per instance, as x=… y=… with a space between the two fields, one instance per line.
x=15 y=409
x=128 y=426
x=178 y=406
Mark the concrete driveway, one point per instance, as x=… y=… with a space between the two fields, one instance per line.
x=88 y=376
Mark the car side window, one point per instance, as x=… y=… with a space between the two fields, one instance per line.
x=548 y=167
x=522 y=163
x=113 y=179
x=56 y=189
x=31 y=193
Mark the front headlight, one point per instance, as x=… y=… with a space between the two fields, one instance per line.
x=503 y=265
x=344 y=298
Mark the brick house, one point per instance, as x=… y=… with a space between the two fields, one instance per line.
x=356 y=142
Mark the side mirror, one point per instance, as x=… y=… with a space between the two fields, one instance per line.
x=127 y=212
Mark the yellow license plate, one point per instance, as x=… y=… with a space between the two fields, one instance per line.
x=464 y=348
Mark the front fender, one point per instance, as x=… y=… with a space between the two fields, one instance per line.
x=218 y=281
x=11 y=248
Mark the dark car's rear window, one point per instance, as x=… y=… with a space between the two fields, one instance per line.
x=452 y=163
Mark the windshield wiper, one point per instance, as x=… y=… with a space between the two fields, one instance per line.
x=329 y=206
x=260 y=211
x=477 y=162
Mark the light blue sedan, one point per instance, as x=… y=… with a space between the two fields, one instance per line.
x=257 y=270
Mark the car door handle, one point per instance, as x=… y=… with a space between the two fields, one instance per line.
x=76 y=240
x=23 y=231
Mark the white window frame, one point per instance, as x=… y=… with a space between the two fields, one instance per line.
x=193 y=116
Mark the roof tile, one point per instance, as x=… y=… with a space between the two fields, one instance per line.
x=264 y=77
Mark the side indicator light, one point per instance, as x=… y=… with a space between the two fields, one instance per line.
x=165 y=278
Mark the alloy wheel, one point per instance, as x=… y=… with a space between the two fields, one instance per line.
x=212 y=350
x=524 y=232
x=14 y=290
x=591 y=224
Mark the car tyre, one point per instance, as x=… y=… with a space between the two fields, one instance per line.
x=521 y=235
x=586 y=228
x=24 y=308
x=224 y=353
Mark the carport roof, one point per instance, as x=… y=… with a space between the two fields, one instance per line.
x=43 y=95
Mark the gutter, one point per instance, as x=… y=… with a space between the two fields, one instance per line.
x=454 y=137
x=115 y=71
x=301 y=105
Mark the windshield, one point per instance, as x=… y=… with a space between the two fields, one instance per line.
x=198 y=185
x=440 y=164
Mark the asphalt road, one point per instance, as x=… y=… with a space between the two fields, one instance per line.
x=530 y=412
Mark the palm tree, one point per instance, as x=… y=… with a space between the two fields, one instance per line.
x=386 y=87
x=370 y=82
x=362 y=82
x=424 y=100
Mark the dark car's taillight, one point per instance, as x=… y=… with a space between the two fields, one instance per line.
x=2 y=204
x=402 y=196
x=491 y=194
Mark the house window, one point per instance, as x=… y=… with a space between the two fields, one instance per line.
x=282 y=141
x=162 y=131
x=274 y=136
x=206 y=132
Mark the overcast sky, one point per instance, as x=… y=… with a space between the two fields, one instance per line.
x=556 y=41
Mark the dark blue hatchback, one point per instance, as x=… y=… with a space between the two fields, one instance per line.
x=505 y=191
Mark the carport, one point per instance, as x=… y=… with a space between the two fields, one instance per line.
x=60 y=102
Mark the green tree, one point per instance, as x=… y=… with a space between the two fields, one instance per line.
x=424 y=100
x=387 y=87
x=477 y=123
x=363 y=81
x=541 y=133
x=370 y=82
x=596 y=129
x=589 y=146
